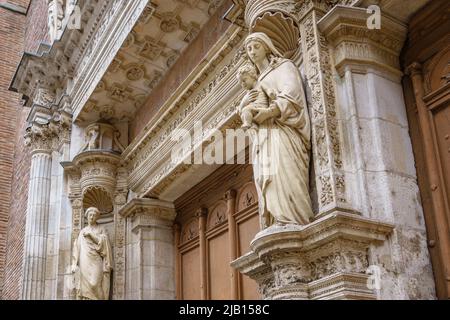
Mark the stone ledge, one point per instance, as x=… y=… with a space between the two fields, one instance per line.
x=328 y=228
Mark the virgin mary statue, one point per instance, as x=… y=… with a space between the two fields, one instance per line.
x=283 y=134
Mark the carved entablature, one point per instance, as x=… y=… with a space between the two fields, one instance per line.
x=355 y=44
x=148 y=158
x=54 y=66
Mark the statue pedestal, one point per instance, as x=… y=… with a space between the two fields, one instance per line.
x=327 y=259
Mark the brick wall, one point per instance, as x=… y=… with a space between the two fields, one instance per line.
x=36 y=26
x=11 y=32
x=18 y=33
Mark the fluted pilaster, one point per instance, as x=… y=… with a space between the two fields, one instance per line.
x=36 y=225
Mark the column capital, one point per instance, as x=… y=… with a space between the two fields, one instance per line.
x=46 y=134
x=202 y=212
x=39 y=138
x=230 y=194
x=414 y=69
x=149 y=213
x=347 y=30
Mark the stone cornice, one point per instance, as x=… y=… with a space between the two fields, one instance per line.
x=54 y=64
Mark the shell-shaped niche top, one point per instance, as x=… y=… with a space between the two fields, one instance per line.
x=97 y=197
x=273 y=17
x=102 y=136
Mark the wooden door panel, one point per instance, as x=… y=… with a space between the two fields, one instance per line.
x=442 y=135
x=190 y=272
x=247 y=230
x=219 y=267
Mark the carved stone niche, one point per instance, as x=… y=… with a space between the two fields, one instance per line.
x=327 y=259
x=274 y=18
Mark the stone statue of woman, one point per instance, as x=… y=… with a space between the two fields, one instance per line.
x=92 y=254
x=283 y=190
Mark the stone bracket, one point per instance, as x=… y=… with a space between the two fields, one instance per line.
x=325 y=259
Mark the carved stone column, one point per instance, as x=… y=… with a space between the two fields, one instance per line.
x=380 y=175
x=35 y=244
x=150 y=249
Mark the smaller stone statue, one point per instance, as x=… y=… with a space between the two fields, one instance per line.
x=255 y=100
x=92 y=259
x=92 y=139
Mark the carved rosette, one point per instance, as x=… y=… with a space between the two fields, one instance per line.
x=326 y=259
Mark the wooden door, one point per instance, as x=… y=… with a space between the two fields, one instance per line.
x=427 y=95
x=217 y=220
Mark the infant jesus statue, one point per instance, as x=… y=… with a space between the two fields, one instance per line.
x=255 y=99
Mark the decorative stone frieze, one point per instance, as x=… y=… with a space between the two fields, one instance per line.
x=325 y=259
x=120 y=199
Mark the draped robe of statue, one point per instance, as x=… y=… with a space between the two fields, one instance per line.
x=281 y=156
x=95 y=264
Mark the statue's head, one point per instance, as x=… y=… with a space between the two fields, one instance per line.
x=92 y=214
x=247 y=76
x=259 y=46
